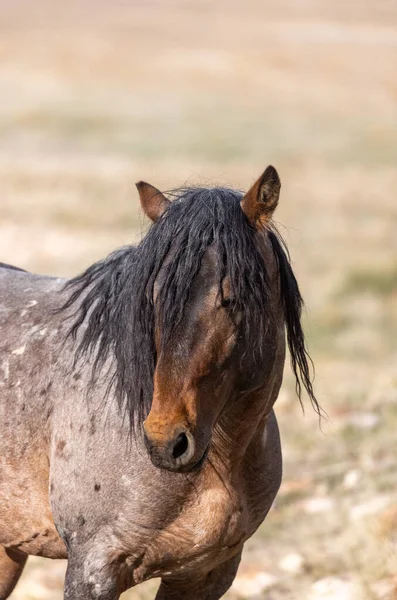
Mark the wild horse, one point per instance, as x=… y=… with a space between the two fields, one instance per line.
x=137 y=433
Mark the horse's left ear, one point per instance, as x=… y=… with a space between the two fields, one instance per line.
x=261 y=199
x=153 y=201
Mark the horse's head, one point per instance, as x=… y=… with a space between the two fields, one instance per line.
x=218 y=312
x=186 y=330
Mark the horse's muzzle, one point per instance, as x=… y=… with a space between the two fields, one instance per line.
x=175 y=454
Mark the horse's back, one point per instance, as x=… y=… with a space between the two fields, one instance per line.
x=19 y=287
x=12 y=267
x=29 y=326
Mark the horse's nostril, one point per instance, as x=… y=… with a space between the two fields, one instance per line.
x=181 y=445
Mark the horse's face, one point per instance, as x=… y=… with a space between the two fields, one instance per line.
x=203 y=367
x=195 y=375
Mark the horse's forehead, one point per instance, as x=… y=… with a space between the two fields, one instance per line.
x=211 y=264
x=208 y=263
x=206 y=280
x=210 y=259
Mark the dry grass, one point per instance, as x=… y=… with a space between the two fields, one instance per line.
x=95 y=97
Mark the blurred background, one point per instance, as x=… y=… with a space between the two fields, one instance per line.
x=97 y=95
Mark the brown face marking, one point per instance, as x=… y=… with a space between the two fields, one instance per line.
x=189 y=382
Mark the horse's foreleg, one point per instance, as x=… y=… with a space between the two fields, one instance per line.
x=12 y=563
x=88 y=577
x=211 y=587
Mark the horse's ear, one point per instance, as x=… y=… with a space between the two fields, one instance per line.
x=153 y=201
x=261 y=199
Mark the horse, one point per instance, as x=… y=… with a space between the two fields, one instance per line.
x=138 y=437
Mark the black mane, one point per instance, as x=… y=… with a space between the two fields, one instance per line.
x=114 y=297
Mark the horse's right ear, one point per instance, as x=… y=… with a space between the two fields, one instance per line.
x=153 y=201
x=261 y=199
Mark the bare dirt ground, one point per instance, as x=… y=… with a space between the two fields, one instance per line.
x=94 y=96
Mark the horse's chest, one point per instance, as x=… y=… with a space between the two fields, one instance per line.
x=207 y=532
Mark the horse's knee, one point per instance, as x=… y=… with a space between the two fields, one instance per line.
x=89 y=577
x=12 y=563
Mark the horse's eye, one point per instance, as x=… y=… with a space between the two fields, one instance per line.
x=227 y=303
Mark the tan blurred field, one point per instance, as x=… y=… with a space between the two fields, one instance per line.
x=96 y=95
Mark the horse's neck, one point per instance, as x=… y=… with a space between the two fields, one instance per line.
x=241 y=424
